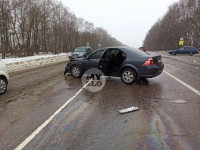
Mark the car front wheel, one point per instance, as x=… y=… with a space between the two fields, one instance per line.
x=3 y=85
x=173 y=53
x=76 y=71
x=128 y=76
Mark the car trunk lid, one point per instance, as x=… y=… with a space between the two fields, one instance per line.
x=157 y=59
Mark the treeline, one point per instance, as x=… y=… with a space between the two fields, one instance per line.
x=181 y=21
x=28 y=27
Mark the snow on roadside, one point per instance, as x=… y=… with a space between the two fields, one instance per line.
x=16 y=64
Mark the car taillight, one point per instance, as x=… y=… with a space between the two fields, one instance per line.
x=149 y=61
x=197 y=50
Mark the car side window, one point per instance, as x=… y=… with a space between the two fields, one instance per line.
x=181 y=48
x=96 y=55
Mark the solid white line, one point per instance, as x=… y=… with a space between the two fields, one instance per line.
x=183 y=83
x=39 y=129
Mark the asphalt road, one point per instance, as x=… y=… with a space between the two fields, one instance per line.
x=92 y=120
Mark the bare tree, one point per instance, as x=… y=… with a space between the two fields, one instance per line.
x=29 y=27
x=181 y=21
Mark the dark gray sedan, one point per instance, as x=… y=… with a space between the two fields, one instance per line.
x=128 y=63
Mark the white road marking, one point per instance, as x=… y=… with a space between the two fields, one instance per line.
x=183 y=83
x=39 y=129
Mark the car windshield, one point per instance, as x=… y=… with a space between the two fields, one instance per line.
x=80 y=49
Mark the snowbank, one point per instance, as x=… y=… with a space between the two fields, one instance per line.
x=16 y=64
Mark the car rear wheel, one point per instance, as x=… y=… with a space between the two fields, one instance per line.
x=128 y=76
x=76 y=71
x=3 y=85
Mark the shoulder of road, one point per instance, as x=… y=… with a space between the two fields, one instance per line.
x=29 y=63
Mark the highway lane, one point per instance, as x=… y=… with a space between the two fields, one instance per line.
x=93 y=121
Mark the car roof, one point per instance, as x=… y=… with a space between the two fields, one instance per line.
x=129 y=50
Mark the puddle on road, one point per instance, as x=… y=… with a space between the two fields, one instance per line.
x=163 y=134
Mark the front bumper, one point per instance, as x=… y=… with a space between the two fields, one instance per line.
x=170 y=52
x=67 y=69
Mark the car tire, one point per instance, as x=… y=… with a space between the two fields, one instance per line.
x=128 y=76
x=3 y=85
x=76 y=71
x=173 y=53
x=190 y=53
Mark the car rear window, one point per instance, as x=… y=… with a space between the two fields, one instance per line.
x=137 y=52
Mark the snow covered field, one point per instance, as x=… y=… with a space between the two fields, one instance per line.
x=16 y=64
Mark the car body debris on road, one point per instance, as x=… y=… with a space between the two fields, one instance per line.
x=127 y=110
x=179 y=101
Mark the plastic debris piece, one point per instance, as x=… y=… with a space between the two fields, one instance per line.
x=130 y=109
x=179 y=101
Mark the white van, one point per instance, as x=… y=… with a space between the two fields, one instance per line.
x=4 y=77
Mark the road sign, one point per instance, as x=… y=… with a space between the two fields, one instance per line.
x=181 y=39
x=181 y=42
x=88 y=44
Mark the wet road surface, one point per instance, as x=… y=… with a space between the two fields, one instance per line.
x=92 y=120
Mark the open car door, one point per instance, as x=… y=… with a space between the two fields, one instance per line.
x=102 y=62
x=111 y=61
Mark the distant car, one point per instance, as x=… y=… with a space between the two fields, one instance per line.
x=80 y=52
x=142 y=49
x=185 y=50
x=4 y=77
x=125 y=62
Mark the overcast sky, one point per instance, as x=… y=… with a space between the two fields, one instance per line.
x=126 y=20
